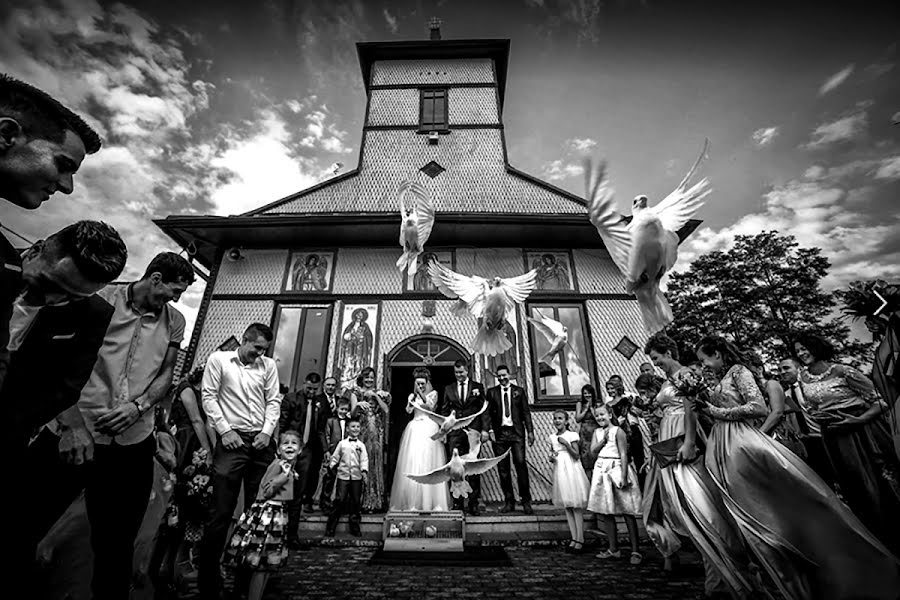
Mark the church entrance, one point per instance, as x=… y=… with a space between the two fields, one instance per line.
x=437 y=354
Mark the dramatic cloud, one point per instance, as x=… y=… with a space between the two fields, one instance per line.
x=846 y=128
x=391 y=21
x=323 y=135
x=835 y=80
x=581 y=144
x=763 y=137
x=889 y=168
x=558 y=170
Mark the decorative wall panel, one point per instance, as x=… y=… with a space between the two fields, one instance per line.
x=609 y=320
x=597 y=273
x=475 y=180
x=228 y=318
x=432 y=72
x=258 y=272
x=368 y=271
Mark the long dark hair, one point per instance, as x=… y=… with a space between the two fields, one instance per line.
x=589 y=388
x=731 y=354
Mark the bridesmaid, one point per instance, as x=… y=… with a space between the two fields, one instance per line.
x=587 y=424
x=373 y=408
x=681 y=499
x=856 y=437
x=807 y=540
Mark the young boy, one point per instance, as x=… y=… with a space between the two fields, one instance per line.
x=352 y=463
x=335 y=431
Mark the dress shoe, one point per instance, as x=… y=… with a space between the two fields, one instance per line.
x=329 y=533
x=526 y=508
x=508 y=507
x=474 y=510
x=308 y=507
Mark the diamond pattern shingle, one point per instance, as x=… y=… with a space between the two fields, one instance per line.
x=228 y=318
x=432 y=72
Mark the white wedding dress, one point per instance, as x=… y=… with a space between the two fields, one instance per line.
x=420 y=454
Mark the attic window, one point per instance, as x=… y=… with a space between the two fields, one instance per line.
x=432 y=169
x=433 y=109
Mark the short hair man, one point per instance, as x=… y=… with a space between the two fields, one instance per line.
x=308 y=414
x=112 y=425
x=42 y=144
x=647 y=368
x=241 y=397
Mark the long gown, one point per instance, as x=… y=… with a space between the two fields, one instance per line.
x=810 y=544
x=862 y=455
x=570 y=484
x=420 y=454
x=373 y=430
x=682 y=500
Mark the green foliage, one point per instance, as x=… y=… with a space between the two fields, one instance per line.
x=762 y=293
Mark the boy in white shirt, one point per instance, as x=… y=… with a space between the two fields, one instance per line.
x=352 y=463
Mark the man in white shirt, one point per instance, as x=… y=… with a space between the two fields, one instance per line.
x=242 y=400
x=816 y=456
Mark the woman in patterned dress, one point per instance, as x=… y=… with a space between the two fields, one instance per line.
x=856 y=437
x=373 y=408
x=587 y=424
x=809 y=542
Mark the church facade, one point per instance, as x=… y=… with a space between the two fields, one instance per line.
x=319 y=265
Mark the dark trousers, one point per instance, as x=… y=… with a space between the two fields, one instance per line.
x=460 y=441
x=305 y=484
x=116 y=484
x=231 y=468
x=817 y=459
x=508 y=439
x=347 y=499
x=328 y=480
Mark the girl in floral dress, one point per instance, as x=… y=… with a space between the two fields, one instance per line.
x=258 y=541
x=373 y=408
x=570 y=484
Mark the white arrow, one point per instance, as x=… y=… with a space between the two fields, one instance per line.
x=883 y=303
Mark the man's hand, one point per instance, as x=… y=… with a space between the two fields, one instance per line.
x=492 y=437
x=485 y=436
x=118 y=419
x=530 y=439
x=365 y=479
x=76 y=446
x=232 y=441
x=261 y=441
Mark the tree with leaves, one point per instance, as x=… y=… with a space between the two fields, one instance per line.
x=761 y=293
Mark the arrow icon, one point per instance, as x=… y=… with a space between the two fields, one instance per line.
x=883 y=303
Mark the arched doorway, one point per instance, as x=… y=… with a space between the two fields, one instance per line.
x=436 y=353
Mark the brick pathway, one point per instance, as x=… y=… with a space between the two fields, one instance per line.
x=537 y=572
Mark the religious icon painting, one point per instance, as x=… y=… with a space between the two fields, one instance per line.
x=421 y=281
x=626 y=347
x=310 y=271
x=356 y=344
x=554 y=269
x=228 y=345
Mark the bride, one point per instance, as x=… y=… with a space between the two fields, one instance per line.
x=419 y=453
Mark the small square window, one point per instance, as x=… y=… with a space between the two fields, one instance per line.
x=432 y=169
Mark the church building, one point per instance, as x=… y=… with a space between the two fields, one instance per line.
x=319 y=265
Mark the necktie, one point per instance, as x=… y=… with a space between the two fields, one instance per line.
x=506 y=413
x=462 y=392
x=343 y=428
x=309 y=411
x=801 y=418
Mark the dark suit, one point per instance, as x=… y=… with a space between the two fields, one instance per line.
x=511 y=438
x=328 y=438
x=310 y=460
x=45 y=377
x=464 y=407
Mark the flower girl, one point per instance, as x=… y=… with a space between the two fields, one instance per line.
x=614 y=485
x=570 y=484
x=258 y=541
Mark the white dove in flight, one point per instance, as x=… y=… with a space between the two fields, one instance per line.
x=451 y=422
x=555 y=332
x=488 y=301
x=456 y=471
x=417 y=220
x=645 y=249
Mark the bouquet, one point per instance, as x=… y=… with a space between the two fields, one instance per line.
x=194 y=489
x=690 y=385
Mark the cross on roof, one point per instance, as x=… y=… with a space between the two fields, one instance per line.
x=435 y=26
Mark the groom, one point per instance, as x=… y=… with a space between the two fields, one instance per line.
x=509 y=421
x=466 y=397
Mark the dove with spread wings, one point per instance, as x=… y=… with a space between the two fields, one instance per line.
x=460 y=467
x=489 y=301
x=416 y=223
x=450 y=422
x=646 y=248
x=555 y=332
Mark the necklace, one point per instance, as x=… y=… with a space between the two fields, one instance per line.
x=820 y=376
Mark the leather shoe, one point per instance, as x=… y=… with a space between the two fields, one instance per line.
x=526 y=508
x=474 y=510
x=308 y=507
x=329 y=533
x=508 y=507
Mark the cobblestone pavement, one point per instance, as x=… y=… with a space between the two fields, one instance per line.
x=536 y=572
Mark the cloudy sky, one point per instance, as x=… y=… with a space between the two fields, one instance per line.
x=217 y=107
